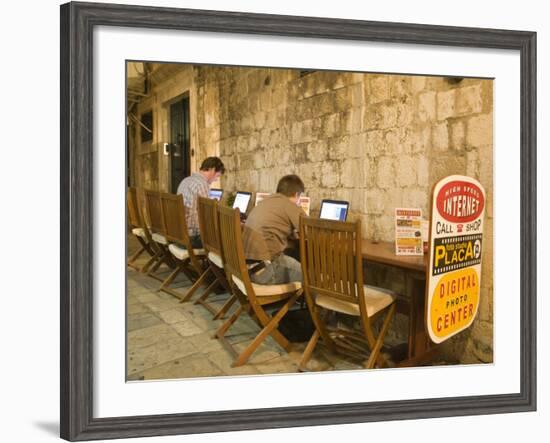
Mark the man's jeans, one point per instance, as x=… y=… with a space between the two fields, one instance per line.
x=282 y=269
x=196 y=241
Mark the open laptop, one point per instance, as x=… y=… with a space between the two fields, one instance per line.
x=334 y=210
x=261 y=196
x=215 y=194
x=241 y=201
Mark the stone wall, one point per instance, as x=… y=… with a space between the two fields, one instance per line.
x=378 y=141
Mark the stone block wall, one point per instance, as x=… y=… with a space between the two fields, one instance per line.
x=379 y=141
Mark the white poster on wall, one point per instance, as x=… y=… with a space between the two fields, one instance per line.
x=408 y=231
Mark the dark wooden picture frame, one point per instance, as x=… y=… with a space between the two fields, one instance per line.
x=77 y=217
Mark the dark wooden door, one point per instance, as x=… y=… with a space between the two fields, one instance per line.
x=179 y=142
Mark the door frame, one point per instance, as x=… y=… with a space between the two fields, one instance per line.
x=167 y=105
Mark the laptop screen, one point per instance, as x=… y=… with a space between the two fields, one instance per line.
x=261 y=196
x=241 y=201
x=215 y=194
x=334 y=210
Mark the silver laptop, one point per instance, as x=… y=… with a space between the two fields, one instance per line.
x=215 y=194
x=334 y=210
x=241 y=201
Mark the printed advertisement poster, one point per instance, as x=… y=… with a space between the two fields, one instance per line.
x=305 y=203
x=408 y=231
x=453 y=283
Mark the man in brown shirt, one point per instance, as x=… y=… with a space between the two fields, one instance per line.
x=268 y=229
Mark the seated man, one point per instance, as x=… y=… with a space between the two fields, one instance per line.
x=267 y=231
x=195 y=186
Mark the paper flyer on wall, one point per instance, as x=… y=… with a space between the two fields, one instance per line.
x=408 y=231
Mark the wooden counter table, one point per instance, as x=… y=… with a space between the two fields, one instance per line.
x=384 y=252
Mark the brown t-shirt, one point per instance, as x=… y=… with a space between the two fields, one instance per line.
x=268 y=227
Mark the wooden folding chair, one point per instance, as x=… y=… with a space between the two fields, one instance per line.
x=210 y=236
x=253 y=298
x=157 y=228
x=333 y=281
x=188 y=260
x=139 y=230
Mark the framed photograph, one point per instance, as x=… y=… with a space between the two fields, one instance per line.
x=160 y=337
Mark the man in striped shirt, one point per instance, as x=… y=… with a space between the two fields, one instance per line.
x=195 y=186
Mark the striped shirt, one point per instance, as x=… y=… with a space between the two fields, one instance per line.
x=192 y=188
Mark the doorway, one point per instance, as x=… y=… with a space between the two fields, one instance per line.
x=179 y=142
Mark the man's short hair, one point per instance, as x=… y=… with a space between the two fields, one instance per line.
x=289 y=185
x=213 y=162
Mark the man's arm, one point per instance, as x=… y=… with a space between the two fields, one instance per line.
x=294 y=215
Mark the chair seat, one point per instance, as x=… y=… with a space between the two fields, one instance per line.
x=138 y=232
x=181 y=253
x=376 y=299
x=159 y=238
x=265 y=290
x=216 y=259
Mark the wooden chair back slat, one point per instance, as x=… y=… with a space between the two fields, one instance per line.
x=138 y=213
x=153 y=208
x=134 y=218
x=352 y=277
x=331 y=258
x=232 y=245
x=173 y=219
x=175 y=225
x=209 y=225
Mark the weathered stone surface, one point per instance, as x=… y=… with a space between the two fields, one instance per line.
x=330 y=177
x=480 y=130
x=172 y=316
x=393 y=141
x=445 y=165
x=144 y=295
x=192 y=366
x=161 y=305
x=141 y=320
x=406 y=173
x=379 y=89
x=445 y=104
x=337 y=147
x=329 y=126
x=485 y=310
x=187 y=327
x=375 y=143
x=376 y=201
x=469 y=100
x=423 y=171
x=385 y=174
x=426 y=106
x=144 y=337
x=457 y=135
x=472 y=164
x=399 y=86
x=357 y=94
x=317 y=151
x=405 y=114
x=353 y=173
x=440 y=137
x=416 y=198
x=417 y=83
